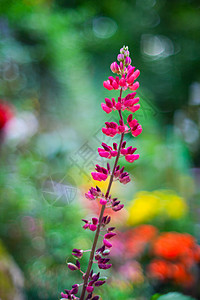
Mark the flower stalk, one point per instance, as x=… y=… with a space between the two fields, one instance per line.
x=130 y=103
x=99 y=225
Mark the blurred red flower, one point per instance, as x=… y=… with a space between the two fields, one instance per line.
x=6 y=113
x=178 y=255
x=173 y=245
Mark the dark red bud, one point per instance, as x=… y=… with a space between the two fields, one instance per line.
x=72 y=267
x=129 y=119
x=121 y=170
x=99 y=283
x=115 y=146
x=98 y=189
x=110 y=229
x=78 y=264
x=108 y=102
x=109 y=235
x=123 y=144
x=115 y=203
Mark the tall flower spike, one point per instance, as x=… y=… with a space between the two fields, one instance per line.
x=125 y=79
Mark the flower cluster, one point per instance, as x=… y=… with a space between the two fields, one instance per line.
x=109 y=152
x=129 y=103
x=70 y=294
x=112 y=128
x=125 y=80
x=118 y=173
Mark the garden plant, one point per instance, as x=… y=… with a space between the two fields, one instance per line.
x=125 y=79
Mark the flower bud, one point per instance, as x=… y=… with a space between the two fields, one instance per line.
x=72 y=267
x=120 y=57
x=103 y=201
x=90 y=289
x=107 y=243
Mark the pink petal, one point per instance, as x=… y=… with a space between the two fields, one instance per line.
x=95 y=221
x=103 y=202
x=109 y=235
x=115 y=85
x=136 y=73
x=122 y=82
x=107 y=86
x=134 y=108
x=123 y=151
x=137 y=131
x=104 y=153
x=106 y=108
x=135 y=86
x=131 y=157
x=99 y=176
x=130 y=79
x=92 y=227
x=114 y=153
x=107 y=243
x=90 y=289
x=118 y=106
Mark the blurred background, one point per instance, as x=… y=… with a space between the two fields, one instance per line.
x=54 y=57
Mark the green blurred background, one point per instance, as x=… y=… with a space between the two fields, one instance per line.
x=54 y=57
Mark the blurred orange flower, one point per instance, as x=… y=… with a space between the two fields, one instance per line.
x=178 y=255
x=173 y=245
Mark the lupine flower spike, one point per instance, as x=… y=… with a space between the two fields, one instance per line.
x=125 y=80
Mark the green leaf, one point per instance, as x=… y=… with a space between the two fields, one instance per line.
x=155 y=296
x=174 y=296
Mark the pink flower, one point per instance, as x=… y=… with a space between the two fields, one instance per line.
x=111 y=129
x=131 y=157
x=91 y=225
x=101 y=174
x=128 y=103
x=111 y=83
x=107 y=151
x=115 y=67
x=128 y=153
x=127 y=78
x=124 y=178
x=136 y=128
x=93 y=193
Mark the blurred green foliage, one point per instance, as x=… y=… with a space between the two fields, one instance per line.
x=54 y=56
